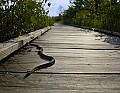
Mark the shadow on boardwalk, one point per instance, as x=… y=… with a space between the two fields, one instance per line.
x=86 y=61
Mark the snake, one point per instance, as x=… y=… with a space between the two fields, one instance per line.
x=50 y=59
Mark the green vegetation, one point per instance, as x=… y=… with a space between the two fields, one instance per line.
x=103 y=14
x=18 y=17
x=58 y=18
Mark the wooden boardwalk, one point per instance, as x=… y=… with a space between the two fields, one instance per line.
x=85 y=62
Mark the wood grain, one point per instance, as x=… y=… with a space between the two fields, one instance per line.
x=86 y=62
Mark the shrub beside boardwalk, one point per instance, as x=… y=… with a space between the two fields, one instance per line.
x=102 y=14
x=18 y=17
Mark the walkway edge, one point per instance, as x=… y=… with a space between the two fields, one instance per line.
x=10 y=46
x=100 y=30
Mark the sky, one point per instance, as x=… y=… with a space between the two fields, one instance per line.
x=55 y=4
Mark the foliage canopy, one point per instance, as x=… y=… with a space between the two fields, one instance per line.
x=18 y=17
x=103 y=14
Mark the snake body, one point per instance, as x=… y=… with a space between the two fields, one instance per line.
x=51 y=61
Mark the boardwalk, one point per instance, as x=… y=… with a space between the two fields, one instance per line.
x=85 y=62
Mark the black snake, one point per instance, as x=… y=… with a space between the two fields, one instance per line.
x=51 y=61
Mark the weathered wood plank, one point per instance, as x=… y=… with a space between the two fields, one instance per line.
x=86 y=61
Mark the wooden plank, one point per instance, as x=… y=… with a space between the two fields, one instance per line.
x=67 y=83
x=86 y=61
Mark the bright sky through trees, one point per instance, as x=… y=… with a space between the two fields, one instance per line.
x=54 y=8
